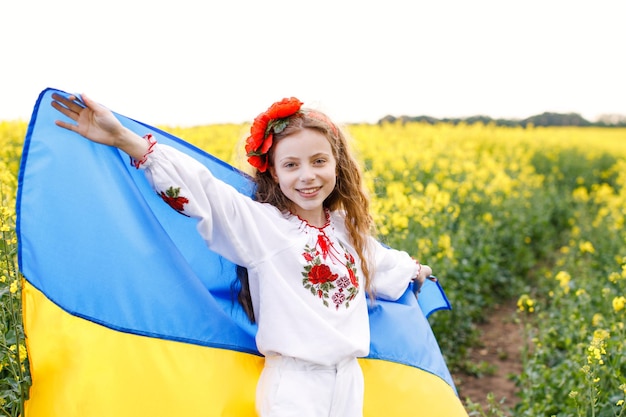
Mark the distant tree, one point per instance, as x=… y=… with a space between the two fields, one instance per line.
x=556 y=119
x=478 y=119
x=507 y=122
x=387 y=119
x=425 y=119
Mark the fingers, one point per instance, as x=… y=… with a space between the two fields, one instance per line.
x=68 y=106
x=426 y=273
x=65 y=125
x=65 y=111
x=89 y=102
x=72 y=102
x=417 y=284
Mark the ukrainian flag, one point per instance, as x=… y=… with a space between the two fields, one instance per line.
x=127 y=313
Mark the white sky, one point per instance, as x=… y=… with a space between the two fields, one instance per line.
x=188 y=62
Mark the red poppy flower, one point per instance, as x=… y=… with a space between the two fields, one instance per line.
x=263 y=128
x=257 y=133
x=284 y=108
x=259 y=162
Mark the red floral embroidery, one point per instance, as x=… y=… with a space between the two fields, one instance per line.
x=319 y=278
x=172 y=197
x=338 y=298
x=344 y=282
x=353 y=279
x=324 y=244
x=320 y=274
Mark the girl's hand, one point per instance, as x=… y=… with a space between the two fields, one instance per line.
x=93 y=121
x=98 y=124
x=425 y=273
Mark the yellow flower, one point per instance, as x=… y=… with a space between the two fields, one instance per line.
x=580 y=194
x=586 y=247
x=399 y=221
x=444 y=244
x=424 y=246
x=564 y=279
x=525 y=303
x=13 y=287
x=597 y=319
x=614 y=277
x=22 y=353
x=601 y=334
x=596 y=348
x=618 y=303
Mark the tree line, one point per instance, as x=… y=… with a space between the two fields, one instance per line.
x=544 y=119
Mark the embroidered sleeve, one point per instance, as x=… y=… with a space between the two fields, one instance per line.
x=151 y=142
x=173 y=198
x=231 y=223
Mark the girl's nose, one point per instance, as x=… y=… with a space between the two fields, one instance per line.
x=306 y=174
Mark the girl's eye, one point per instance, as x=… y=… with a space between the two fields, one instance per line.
x=289 y=165
x=320 y=161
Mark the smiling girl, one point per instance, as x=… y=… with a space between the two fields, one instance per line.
x=304 y=243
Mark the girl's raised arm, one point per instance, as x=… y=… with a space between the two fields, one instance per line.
x=98 y=124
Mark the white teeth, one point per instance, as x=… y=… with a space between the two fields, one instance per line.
x=309 y=190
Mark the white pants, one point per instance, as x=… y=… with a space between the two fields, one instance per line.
x=290 y=387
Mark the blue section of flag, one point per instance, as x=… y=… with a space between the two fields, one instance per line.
x=432 y=298
x=98 y=241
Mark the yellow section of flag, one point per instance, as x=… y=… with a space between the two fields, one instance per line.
x=82 y=369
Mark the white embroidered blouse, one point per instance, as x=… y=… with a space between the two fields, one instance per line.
x=306 y=284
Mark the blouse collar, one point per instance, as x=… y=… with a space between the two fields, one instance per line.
x=310 y=226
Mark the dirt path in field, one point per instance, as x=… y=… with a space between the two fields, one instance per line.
x=501 y=340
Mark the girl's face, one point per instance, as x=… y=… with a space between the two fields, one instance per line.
x=305 y=169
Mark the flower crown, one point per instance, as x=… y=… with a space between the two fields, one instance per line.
x=272 y=121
